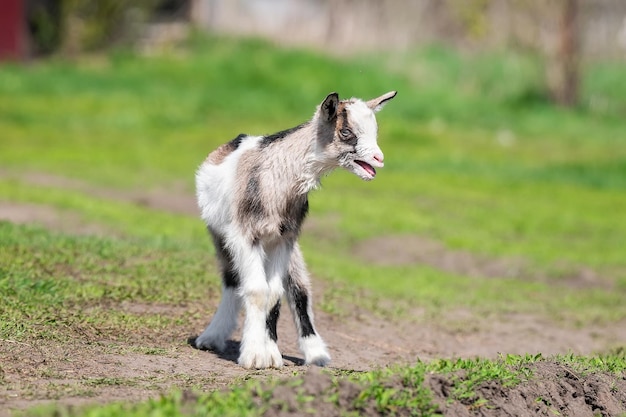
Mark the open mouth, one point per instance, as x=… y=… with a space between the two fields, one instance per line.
x=367 y=167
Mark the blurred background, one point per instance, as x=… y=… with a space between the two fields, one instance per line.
x=565 y=33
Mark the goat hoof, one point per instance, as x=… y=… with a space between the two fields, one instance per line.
x=210 y=343
x=322 y=360
x=269 y=357
x=314 y=350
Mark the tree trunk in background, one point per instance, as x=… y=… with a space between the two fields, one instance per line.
x=564 y=79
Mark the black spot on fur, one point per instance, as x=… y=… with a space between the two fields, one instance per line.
x=294 y=215
x=301 y=303
x=234 y=144
x=272 y=320
x=269 y=139
x=231 y=278
x=345 y=131
x=342 y=121
x=251 y=204
x=229 y=275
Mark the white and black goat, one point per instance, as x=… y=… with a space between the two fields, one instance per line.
x=253 y=196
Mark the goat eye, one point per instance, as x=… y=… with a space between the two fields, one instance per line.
x=346 y=133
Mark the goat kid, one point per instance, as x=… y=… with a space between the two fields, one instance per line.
x=253 y=196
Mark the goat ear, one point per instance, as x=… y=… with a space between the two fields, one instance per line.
x=376 y=104
x=329 y=106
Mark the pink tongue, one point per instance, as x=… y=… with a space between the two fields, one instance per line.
x=370 y=169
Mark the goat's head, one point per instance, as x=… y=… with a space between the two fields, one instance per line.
x=349 y=131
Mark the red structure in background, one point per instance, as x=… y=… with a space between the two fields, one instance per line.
x=12 y=30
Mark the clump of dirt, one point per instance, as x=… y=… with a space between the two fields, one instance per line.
x=554 y=389
x=315 y=394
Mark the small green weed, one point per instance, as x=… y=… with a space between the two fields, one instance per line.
x=468 y=374
x=613 y=362
x=397 y=391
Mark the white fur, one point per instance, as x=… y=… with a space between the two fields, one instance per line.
x=366 y=129
x=214 y=183
x=314 y=350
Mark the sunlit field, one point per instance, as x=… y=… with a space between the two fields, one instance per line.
x=478 y=164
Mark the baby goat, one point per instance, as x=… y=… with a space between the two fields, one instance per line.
x=253 y=196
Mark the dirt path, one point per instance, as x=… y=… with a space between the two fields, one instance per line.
x=87 y=370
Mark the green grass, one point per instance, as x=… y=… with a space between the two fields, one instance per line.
x=52 y=284
x=549 y=196
x=613 y=362
x=476 y=158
